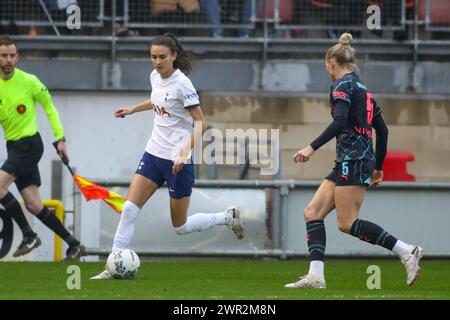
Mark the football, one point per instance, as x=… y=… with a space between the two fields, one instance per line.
x=123 y=263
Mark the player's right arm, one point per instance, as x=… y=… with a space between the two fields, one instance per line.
x=341 y=95
x=340 y=115
x=122 y=112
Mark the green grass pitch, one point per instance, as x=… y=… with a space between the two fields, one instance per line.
x=224 y=279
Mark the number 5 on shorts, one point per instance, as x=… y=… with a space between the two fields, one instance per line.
x=345 y=168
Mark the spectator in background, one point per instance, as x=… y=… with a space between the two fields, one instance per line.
x=339 y=15
x=212 y=10
x=120 y=29
x=247 y=12
x=161 y=6
x=54 y=6
x=174 y=11
x=56 y=9
x=11 y=28
x=8 y=12
x=242 y=13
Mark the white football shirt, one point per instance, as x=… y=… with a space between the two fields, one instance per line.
x=171 y=98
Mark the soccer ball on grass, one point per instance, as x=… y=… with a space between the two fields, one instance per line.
x=123 y=263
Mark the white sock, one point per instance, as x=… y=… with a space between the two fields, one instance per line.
x=204 y=221
x=316 y=268
x=125 y=229
x=401 y=248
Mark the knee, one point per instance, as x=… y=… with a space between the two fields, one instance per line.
x=310 y=213
x=3 y=192
x=34 y=207
x=130 y=212
x=344 y=225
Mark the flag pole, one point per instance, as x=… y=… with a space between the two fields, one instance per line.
x=76 y=197
x=64 y=160
x=90 y=190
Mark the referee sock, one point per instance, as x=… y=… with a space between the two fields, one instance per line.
x=52 y=222
x=13 y=208
x=372 y=233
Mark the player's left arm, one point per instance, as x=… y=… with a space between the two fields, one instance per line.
x=200 y=126
x=43 y=96
x=190 y=100
x=382 y=131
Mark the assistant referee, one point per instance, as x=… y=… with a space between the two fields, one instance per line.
x=19 y=92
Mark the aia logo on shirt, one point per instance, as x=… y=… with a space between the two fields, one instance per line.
x=161 y=111
x=340 y=94
x=21 y=109
x=190 y=96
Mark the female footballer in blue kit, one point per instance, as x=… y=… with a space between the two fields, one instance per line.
x=167 y=156
x=354 y=113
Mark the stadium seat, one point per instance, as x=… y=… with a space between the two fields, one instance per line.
x=323 y=4
x=439 y=11
x=394 y=168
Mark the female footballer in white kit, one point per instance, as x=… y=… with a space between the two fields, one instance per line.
x=167 y=156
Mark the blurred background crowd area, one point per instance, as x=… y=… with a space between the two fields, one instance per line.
x=283 y=19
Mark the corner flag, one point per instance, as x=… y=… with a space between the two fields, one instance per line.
x=91 y=191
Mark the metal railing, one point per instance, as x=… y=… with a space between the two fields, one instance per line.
x=214 y=15
x=267 y=32
x=244 y=18
x=336 y=15
x=437 y=14
x=284 y=224
x=50 y=12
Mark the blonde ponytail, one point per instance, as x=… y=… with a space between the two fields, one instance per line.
x=345 y=39
x=342 y=52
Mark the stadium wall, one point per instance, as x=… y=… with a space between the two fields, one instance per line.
x=102 y=147
x=295 y=77
x=419 y=126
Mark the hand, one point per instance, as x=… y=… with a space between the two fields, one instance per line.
x=62 y=151
x=376 y=178
x=122 y=112
x=178 y=164
x=304 y=154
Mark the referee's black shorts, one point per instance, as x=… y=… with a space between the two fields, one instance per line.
x=23 y=158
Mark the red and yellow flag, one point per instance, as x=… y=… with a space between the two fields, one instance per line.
x=92 y=191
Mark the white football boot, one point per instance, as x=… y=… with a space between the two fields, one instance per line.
x=237 y=225
x=411 y=263
x=308 y=281
x=104 y=275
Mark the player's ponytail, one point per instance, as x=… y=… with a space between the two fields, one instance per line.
x=345 y=39
x=184 y=59
x=342 y=52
